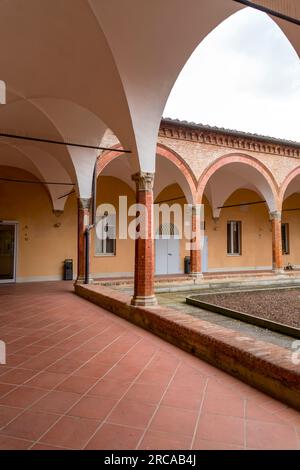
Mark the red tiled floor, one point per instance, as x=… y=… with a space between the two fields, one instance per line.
x=164 y=441
x=272 y=436
x=109 y=388
x=151 y=394
x=102 y=383
x=71 y=432
x=92 y=407
x=11 y=443
x=17 y=376
x=226 y=429
x=113 y=437
x=22 y=397
x=5 y=388
x=174 y=420
x=46 y=380
x=29 y=425
x=56 y=402
x=7 y=414
x=131 y=413
x=76 y=384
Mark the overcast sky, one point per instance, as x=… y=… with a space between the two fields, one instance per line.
x=245 y=75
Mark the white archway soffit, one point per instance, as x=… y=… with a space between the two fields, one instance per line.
x=117 y=60
x=293 y=187
x=232 y=177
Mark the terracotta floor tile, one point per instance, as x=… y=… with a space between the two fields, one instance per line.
x=93 y=370
x=154 y=440
x=56 y=402
x=77 y=384
x=8 y=413
x=256 y=412
x=17 y=376
x=5 y=388
x=11 y=443
x=22 y=397
x=131 y=413
x=151 y=394
x=65 y=366
x=71 y=432
x=46 y=447
x=271 y=436
x=46 y=380
x=174 y=420
x=93 y=407
x=212 y=445
x=109 y=388
x=29 y=425
x=113 y=437
x=154 y=378
x=223 y=404
x=218 y=428
x=184 y=397
x=123 y=373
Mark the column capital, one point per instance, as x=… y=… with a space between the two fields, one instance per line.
x=84 y=203
x=275 y=215
x=197 y=209
x=144 y=181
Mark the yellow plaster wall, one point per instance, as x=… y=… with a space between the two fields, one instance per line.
x=256 y=233
x=293 y=219
x=42 y=248
x=108 y=191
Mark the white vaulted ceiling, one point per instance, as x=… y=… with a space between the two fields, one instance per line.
x=74 y=68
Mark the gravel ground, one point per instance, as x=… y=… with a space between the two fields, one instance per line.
x=281 y=306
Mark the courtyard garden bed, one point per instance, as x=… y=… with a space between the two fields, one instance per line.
x=276 y=309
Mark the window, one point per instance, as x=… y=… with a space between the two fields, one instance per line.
x=105 y=240
x=285 y=236
x=234 y=229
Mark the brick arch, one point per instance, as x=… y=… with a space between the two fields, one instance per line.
x=162 y=151
x=289 y=178
x=182 y=166
x=237 y=158
x=107 y=157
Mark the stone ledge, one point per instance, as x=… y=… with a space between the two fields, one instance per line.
x=263 y=365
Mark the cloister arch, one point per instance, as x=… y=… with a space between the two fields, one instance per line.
x=170 y=169
x=234 y=171
x=290 y=185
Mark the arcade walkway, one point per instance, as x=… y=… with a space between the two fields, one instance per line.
x=78 y=377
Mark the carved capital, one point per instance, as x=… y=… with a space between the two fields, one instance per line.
x=275 y=215
x=84 y=203
x=144 y=181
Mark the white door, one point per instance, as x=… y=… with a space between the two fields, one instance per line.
x=161 y=256
x=204 y=256
x=167 y=258
x=173 y=256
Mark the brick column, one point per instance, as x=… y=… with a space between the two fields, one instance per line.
x=144 y=246
x=195 y=253
x=277 y=263
x=83 y=221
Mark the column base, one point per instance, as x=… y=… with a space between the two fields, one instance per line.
x=80 y=280
x=196 y=275
x=279 y=271
x=144 y=301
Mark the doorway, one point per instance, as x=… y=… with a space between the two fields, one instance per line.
x=8 y=234
x=167 y=250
